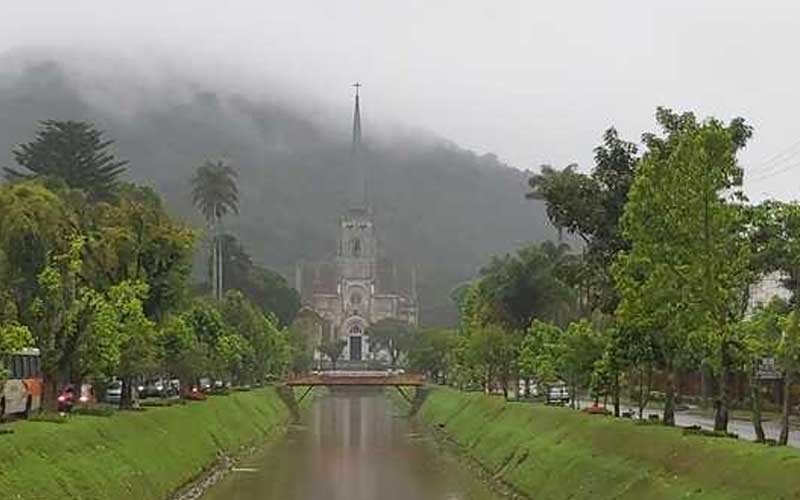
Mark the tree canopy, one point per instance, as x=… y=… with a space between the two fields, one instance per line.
x=73 y=152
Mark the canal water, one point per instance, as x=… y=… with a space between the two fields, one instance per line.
x=353 y=445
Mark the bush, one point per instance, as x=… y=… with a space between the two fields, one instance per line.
x=219 y=391
x=95 y=411
x=49 y=417
x=160 y=403
x=696 y=430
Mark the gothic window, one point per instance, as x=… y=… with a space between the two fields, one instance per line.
x=355 y=330
x=355 y=247
x=355 y=298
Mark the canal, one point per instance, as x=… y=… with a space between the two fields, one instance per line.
x=353 y=445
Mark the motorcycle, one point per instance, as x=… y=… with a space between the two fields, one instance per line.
x=66 y=400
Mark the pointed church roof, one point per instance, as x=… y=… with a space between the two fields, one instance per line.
x=361 y=199
x=357 y=123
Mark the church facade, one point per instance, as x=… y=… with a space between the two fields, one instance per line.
x=358 y=287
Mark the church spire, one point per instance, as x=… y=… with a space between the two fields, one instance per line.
x=357 y=122
x=358 y=161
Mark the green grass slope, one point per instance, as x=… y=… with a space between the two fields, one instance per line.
x=132 y=455
x=556 y=453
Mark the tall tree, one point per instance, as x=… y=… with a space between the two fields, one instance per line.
x=789 y=356
x=759 y=337
x=532 y=284
x=74 y=152
x=133 y=238
x=590 y=206
x=215 y=193
x=685 y=222
x=429 y=352
x=34 y=225
x=264 y=287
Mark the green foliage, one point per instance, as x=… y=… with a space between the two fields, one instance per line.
x=393 y=335
x=254 y=346
x=539 y=352
x=214 y=190
x=332 y=348
x=34 y=223
x=206 y=321
x=75 y=153
x=774 y=231
x=184 y=355
x=146 y=455
x=559 y=454
x=264 y=287
x=579 y=349
x=430 y=350
x=514 y=290
x=760 y=333
x=789 y=346
x=133 y=238
x=590 y=206
x=687 y=271
x=137 y=333
x=13 y=337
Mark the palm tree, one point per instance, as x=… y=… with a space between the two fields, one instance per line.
x=215 y=193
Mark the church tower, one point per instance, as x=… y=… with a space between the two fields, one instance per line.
x=358 y=246
x=347 y=295
x=358 y=250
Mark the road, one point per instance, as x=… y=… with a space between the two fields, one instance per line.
x=742 y=427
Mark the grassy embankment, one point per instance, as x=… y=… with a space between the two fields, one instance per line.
x=554 y=453
x=133 y=455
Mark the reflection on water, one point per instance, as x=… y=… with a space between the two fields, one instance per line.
x=353 y=446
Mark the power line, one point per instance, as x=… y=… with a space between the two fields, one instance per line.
x=777 y=160
x=769 y=175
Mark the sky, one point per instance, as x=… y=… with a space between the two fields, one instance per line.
x=533 y=82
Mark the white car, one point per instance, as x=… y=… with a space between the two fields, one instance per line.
x=558 y=394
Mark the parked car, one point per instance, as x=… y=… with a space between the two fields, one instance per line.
x=158 y=388
x=114 y=392
x=557 y=394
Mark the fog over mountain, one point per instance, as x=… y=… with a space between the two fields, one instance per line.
x=438 y=206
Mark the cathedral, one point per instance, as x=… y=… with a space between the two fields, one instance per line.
x=357 y=288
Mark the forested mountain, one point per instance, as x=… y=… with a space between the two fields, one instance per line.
x=438 y=206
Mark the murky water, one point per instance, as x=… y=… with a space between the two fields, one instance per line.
x=354 y=446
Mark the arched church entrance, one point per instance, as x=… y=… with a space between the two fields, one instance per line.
x=355 y=340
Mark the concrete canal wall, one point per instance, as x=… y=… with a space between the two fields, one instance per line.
x=144 y=455
x=557 y=453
